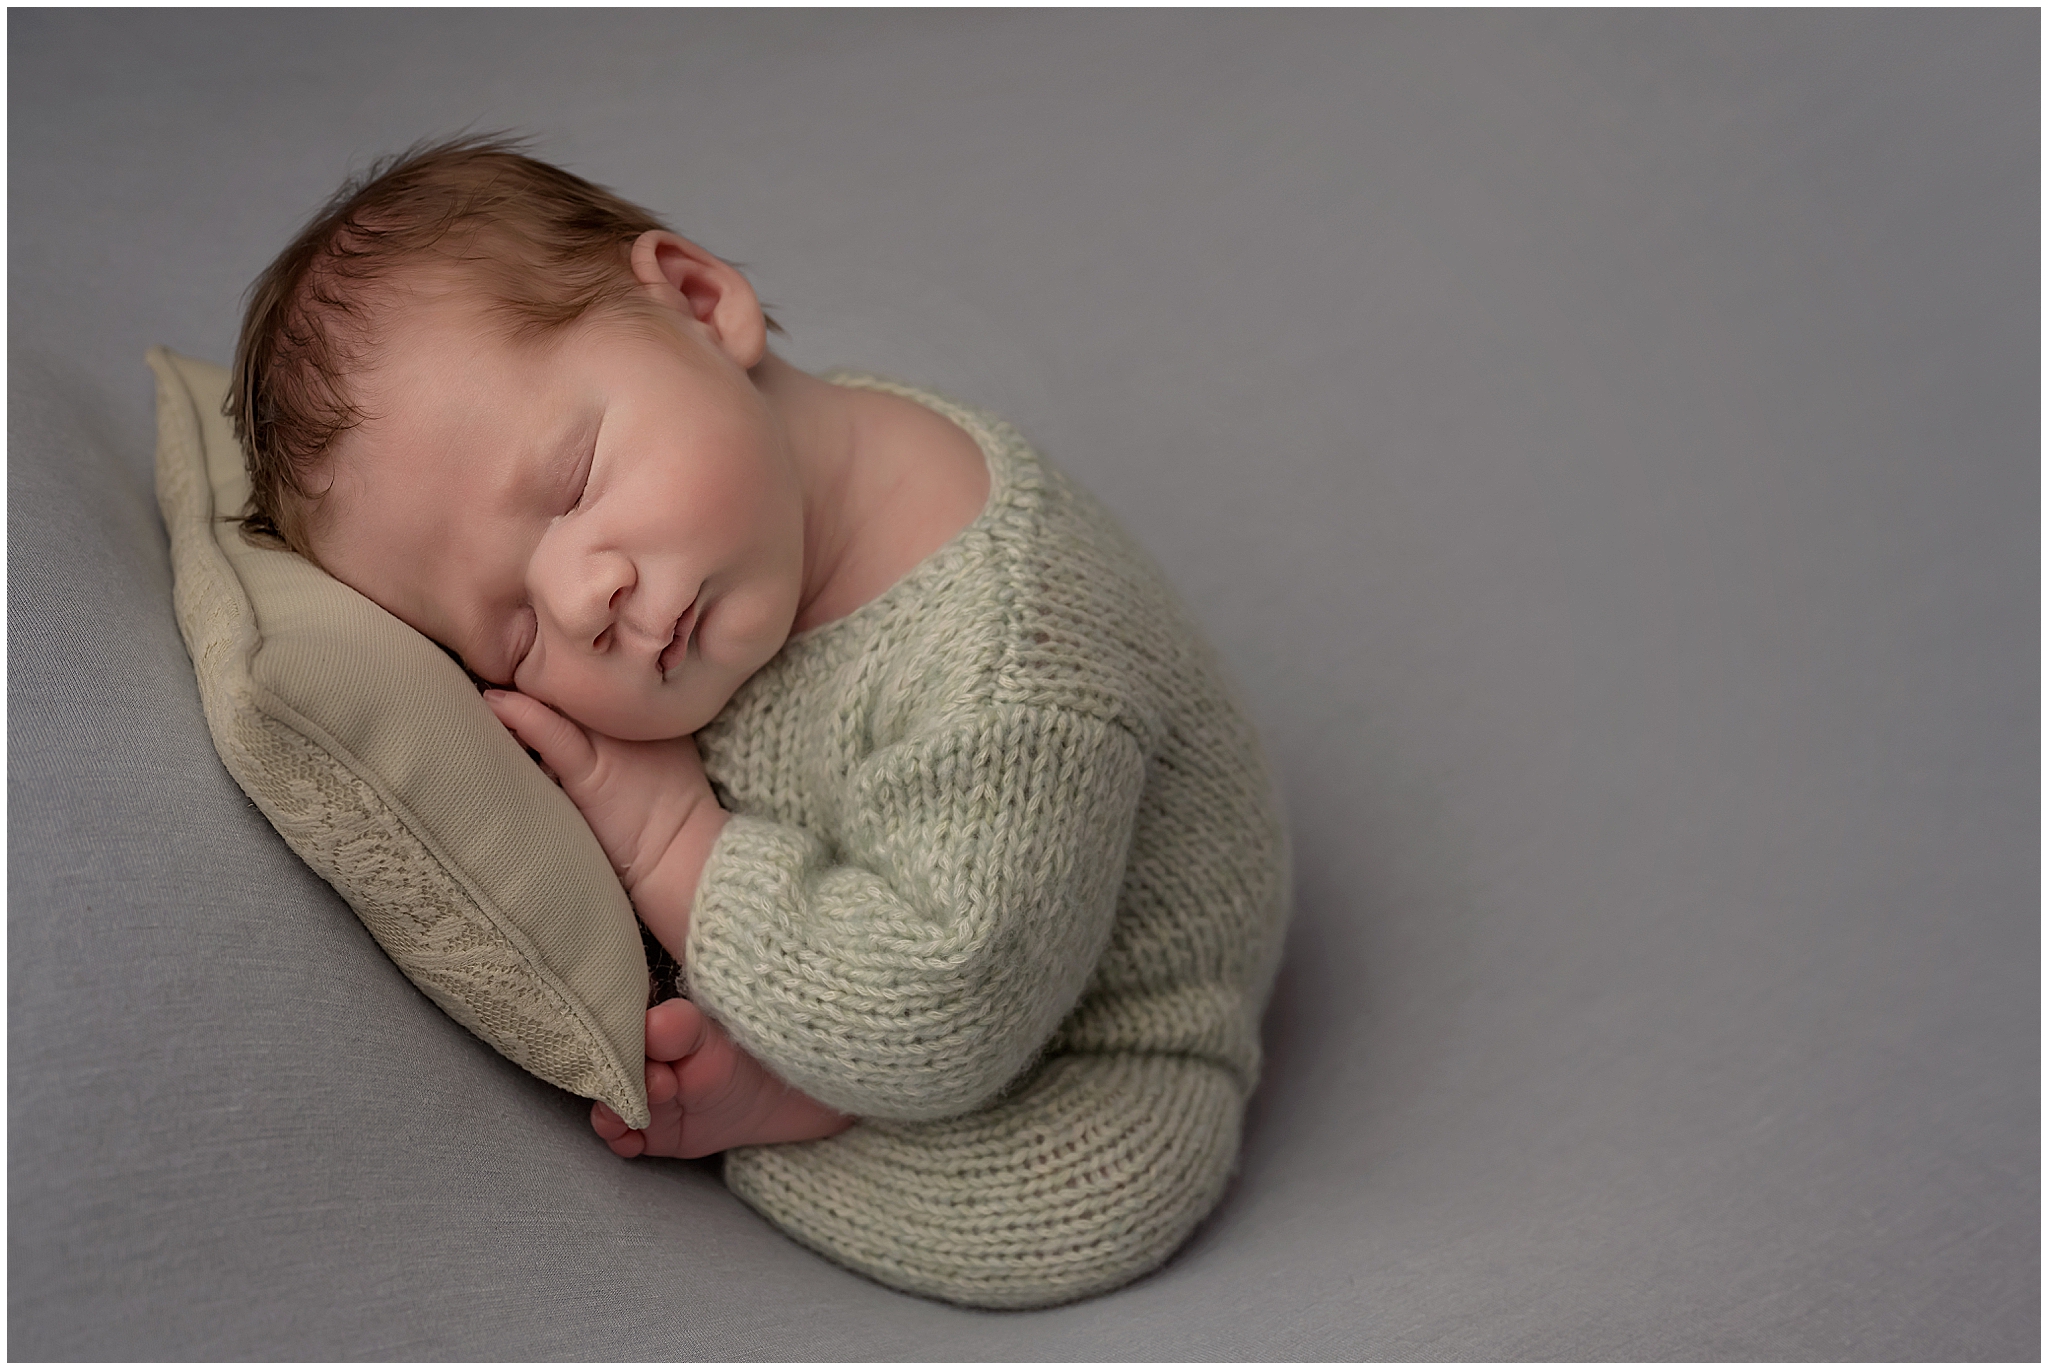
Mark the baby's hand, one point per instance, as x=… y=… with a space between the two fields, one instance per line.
x=648 y=803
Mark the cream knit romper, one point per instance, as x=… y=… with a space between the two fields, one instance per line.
x=1007 y=880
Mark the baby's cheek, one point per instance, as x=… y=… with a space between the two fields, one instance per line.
x=597 y=702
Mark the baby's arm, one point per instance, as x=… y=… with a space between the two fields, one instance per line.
x=654 y=814
x=915 y=967
x=648 y=803
x=916 y=963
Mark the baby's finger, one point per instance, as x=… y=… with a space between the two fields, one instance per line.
x=563 y=746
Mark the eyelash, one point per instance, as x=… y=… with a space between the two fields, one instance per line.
x=520 y=658
x=583 y=488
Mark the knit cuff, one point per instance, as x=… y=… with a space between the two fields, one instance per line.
x=752 y=876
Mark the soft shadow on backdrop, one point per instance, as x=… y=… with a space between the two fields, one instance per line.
x=1603 y=446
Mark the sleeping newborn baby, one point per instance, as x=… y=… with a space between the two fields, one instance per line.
x=898 y=745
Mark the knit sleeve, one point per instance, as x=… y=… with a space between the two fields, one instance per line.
x=916 y=970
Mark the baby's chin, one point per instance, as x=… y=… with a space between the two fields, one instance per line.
x=630 y=724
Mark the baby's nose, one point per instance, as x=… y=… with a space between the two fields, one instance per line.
x=589 y=597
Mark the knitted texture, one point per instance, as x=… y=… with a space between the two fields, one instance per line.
x=1007 y=880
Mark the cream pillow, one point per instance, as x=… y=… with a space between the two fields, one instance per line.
x=373 y=755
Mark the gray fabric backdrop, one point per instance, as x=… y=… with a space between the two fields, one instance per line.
x=1603 y=445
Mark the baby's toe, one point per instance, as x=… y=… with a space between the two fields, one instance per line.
x=675 y=1028
x=662 y=1084
x=608 y=1125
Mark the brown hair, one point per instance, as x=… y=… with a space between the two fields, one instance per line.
x=546 y=247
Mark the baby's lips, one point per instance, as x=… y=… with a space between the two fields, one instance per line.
x=679 y=639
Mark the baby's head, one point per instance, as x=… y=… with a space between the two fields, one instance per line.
x=520 y=413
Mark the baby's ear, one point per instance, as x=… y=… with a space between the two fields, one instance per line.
x=684 y=277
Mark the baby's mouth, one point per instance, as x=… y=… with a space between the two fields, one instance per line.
x=679 y=641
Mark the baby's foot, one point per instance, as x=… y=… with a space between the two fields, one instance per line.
x=705 y=1094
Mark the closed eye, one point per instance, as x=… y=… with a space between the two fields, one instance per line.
x=525 y=637
x=583 y=479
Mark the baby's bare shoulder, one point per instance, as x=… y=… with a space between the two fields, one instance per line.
x=942 y=467
x=935 y=483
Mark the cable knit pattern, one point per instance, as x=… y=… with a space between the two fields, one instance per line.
x=1007 y=880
